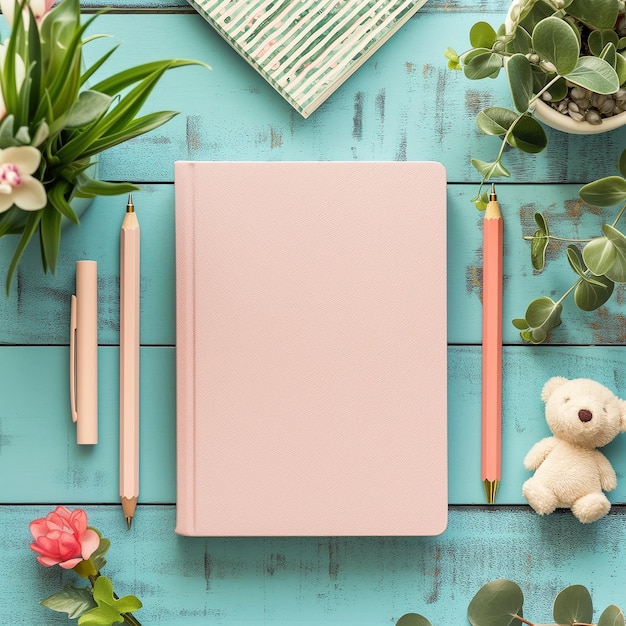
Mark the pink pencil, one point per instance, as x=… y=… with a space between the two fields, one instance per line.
x=129 y=362
x=492 y=349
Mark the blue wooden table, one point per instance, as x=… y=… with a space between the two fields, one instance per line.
x=403 y=104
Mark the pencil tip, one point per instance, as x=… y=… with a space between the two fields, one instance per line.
x=491 y=489
x=129 y=522
x=130 y=207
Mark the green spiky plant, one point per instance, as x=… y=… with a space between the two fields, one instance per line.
x=49 y=107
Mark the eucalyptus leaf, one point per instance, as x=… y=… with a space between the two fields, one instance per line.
x=71 y=600
x=598 y=39
x=572 y=605
x=520 y=77
x=495 y=120
x=496 y=604
x=620 y=68
x=539 y=243
x=542 y=315
x=482 y=63
x=575 y=258
x=490 y=170
x=528 y=135
x=521 y=42
x=612 y=616
x=554 y=41
x=595 y=74
x=599 y=255
x=589 y=296
x=617 y=272
x=606 y=191
x=598 y=14
x=482 y=35
x=609 y=54
x=413 y=619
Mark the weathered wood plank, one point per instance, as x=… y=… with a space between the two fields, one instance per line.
x=34 y=416
x=316 y=581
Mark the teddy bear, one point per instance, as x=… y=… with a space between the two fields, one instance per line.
x=569 y=472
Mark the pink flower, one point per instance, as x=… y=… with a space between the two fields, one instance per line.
x=63 y=537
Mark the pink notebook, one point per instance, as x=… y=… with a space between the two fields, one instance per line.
x=311 y=348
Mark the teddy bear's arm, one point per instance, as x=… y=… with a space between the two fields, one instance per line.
x=608 y=479
x=539 y=452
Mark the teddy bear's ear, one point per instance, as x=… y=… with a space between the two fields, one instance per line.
x=551 y=386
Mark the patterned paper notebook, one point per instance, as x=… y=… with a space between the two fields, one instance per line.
x=305 y=49
x=311 y=348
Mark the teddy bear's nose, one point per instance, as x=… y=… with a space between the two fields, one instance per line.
x=584 y=415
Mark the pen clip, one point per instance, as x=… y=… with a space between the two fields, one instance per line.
x=73 y=359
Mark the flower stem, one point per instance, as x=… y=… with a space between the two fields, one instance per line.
x=130 y=619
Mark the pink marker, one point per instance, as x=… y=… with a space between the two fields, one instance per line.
x=84 y=353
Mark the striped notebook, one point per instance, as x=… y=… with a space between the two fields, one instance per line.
x=305 y=49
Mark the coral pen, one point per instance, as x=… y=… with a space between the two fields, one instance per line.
x=129 y=362
x=492 y=348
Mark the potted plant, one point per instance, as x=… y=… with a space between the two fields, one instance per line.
x=598 y=262
x=500 y=603
x=564 y=63
x=53 y=125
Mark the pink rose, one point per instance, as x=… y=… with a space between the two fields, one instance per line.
x=63 y=537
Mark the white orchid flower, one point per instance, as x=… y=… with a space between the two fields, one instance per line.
x=17 y=186
x=40 y=9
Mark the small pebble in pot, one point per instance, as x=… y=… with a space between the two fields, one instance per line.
x=593 y=117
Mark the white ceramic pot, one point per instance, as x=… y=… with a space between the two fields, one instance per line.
x=551 y=117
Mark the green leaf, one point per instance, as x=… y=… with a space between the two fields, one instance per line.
x=539 y=243
x=542 y=315
x=481 y=63
x=496 y=604
x=97 y=558
x=606 y=191
x=573 y=604
x=71 y=600
x=120 y=81
x=598 y=14
x=89 y=187
x=609 y=54
x=575 y=258
x=109 y=609
x=521 y=42
x=589 y=296
x=50 y=237
x=490 y=170
x=413 y=619
x=528 y=135
x=599 y=255
x=617 y=272
x=32 y=223
x=598 y=39
x=612 y=616
x=89 y=107
x=495 y=120
x=620 y=68
x=594 y=74
x=482 y=35
x=555 y=41
x=520 y=77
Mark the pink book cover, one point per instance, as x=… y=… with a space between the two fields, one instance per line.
x=311 y=348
